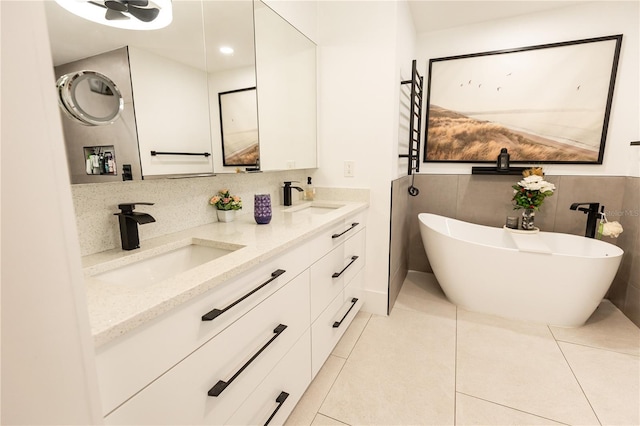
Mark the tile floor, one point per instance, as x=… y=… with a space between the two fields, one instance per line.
x=429 y=363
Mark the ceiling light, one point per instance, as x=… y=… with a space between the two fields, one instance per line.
x=125 y=14
x=226 y=50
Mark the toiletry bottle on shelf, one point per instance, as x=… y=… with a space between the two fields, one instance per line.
x=309 y=191
x=503 y=161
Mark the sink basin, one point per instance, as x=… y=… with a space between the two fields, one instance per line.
x=165 y=265
x=314 y=208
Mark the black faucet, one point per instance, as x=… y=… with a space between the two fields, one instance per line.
x=287 y=192
x=129 y=221
x=592 y=218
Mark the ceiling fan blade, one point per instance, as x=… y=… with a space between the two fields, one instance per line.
x=141 y=3
x=145 y=15
x=97 y=4
x=114 y=15
x=116 y=5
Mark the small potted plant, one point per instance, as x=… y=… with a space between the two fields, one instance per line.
x=226 y=205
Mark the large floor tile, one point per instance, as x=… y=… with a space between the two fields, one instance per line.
x=421 y=292
x=610 y=380
x=307 y=407
x=401 y=372
x=351 y=335
x=474 y=411
x=608 y=328
x=518 y=365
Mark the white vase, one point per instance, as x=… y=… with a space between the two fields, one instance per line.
x=226 y=215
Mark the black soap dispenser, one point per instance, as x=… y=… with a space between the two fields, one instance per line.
x=503 y=161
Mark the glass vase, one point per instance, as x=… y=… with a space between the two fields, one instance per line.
x=528 y=216
x=262 y=208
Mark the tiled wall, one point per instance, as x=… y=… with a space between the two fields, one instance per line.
x=486 y=200
x=398 y=249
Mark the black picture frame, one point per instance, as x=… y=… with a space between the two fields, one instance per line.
x=546 y=104
x=239 y=127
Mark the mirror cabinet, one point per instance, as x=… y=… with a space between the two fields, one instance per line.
x=190 y=107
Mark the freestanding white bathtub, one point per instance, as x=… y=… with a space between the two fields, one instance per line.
x=546 y=277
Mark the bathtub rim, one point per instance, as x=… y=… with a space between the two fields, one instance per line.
x=618 y=251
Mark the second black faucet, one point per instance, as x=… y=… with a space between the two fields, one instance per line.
x=287 y=192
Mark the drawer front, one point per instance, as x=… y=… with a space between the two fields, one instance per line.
x=334 y=271
x=324 y=287
x=230 y=365
x=327 y=330
x=335 y=236
x=128 y=364
x=278 y=394
x=355 y=246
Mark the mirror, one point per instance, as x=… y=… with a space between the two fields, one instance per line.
x=286 y=79
x=90 y=98
x=171 y=79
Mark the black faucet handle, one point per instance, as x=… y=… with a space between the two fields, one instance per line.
x=127 y=208
x=289 y=182
x=593 y=207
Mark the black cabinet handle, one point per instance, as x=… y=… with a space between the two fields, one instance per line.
x=280 y=400
x=337 y=274
x=222 y=385
x=214 y=313
x=353 y=225
x=339 y=323
x=203 y=154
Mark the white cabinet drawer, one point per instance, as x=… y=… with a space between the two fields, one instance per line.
x=128 y=364
x=278 y=394
x=327 y=330
x=331 y=273
x=335 y=236
x=234 y=362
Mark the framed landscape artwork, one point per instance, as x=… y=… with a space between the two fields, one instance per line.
x=545 y=104
x=239 y=127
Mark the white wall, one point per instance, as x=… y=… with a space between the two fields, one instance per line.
x=358 y=109
x=48 y=368
x=585 y=20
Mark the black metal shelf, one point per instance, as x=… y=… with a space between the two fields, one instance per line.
x=494 y=171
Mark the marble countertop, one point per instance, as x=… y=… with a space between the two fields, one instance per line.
x=115 y=309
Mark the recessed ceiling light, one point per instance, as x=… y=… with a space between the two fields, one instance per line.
x=125 y=14
x=226 y=50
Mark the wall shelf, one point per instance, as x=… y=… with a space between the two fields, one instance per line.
x=493 y=171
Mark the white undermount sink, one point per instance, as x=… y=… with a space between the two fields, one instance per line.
x=166 y=265
x=314 y=207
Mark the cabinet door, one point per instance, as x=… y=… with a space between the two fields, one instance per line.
x=211 y=383
x=278 y=394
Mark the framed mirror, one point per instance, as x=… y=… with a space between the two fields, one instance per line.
x=239 y=127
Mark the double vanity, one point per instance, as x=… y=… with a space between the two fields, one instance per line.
x=226 y=323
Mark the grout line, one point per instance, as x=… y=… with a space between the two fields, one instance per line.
x=575 y=377
x=511 y=408
x=455 y=370
x=596 y=347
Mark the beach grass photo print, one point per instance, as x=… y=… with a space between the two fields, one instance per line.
x=545 y=104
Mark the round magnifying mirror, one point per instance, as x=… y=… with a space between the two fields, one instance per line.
x=89 y=97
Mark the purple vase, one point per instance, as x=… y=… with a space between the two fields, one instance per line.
x=262 y=208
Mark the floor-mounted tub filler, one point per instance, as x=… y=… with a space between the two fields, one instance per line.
x=544 y=277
